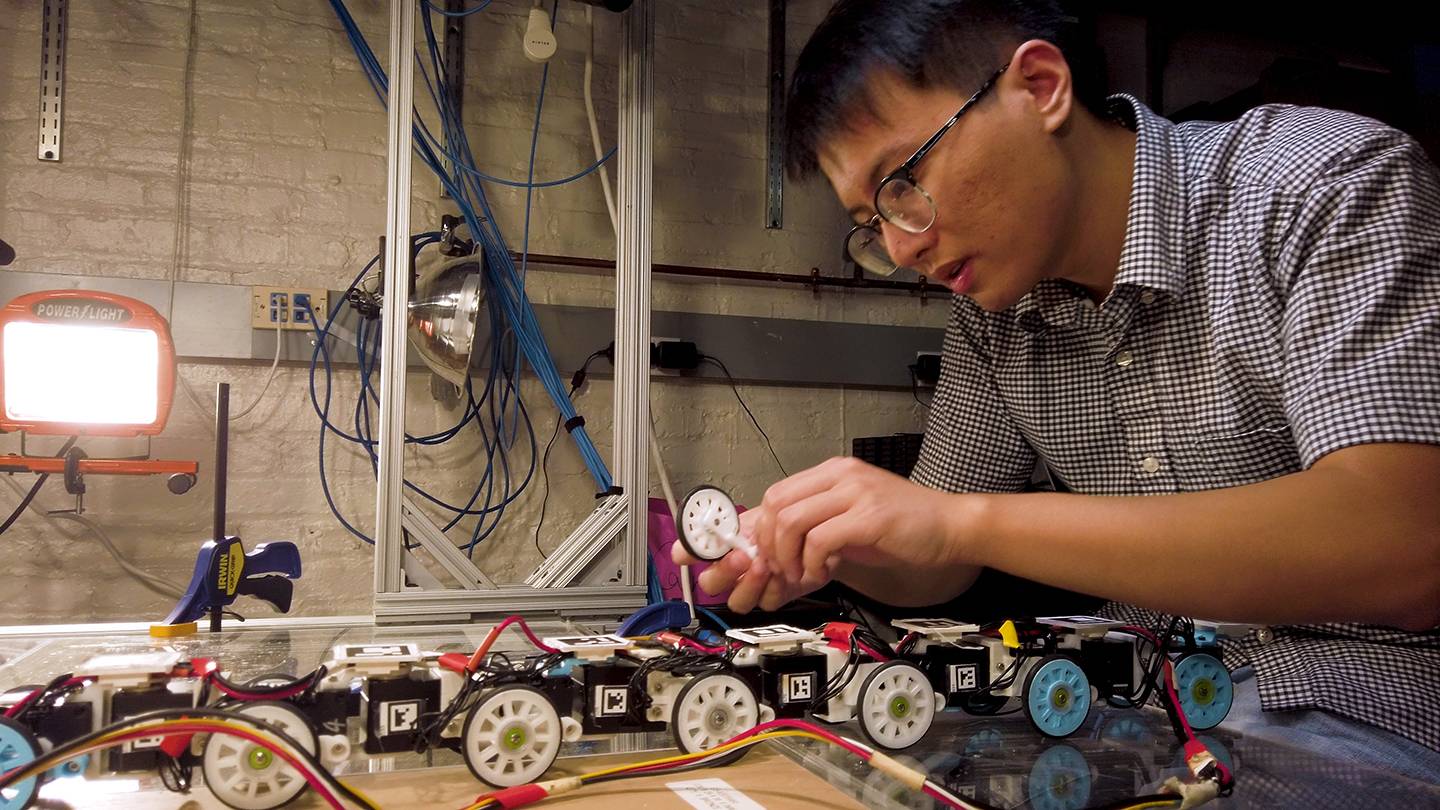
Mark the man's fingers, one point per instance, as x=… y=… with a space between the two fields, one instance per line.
x=838 y=538
x=680 y=555
x=724 y=572
x=776 y=595
x=749 y=589
x=793 y=524
x=781 y=495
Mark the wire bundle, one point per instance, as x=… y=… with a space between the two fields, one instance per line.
x=513 y=319
x=200 y=721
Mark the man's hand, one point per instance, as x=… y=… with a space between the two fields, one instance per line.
x=889 y=538
x=753 y=585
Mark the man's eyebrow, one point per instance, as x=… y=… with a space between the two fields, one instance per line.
x=857 y=213
x=876 y=174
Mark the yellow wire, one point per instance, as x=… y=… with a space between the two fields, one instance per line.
x=709 y=752
x=364 y=798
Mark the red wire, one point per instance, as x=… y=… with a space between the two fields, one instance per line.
x=695 y=645
x=479 y=657
x=870 y=651
x=239 y=694
x=941 y=797
x=786 y=722
x=14 y=711
x=761 y=729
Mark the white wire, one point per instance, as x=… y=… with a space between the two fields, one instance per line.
x=269 y=378
x=664 y=476
x=594 y=125
x=149 y=580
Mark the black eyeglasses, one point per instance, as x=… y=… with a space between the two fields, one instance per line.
x=900 y=201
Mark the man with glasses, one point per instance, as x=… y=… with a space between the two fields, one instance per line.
x=1223 y=339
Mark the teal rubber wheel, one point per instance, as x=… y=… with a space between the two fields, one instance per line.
x=1205 y=690
x=1060 y=779
x=1057 y=696
x=17 y=749
x=70 y=768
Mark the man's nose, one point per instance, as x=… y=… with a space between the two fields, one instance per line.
x=908 y=249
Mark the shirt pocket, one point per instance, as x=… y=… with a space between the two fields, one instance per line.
x=1221 y=455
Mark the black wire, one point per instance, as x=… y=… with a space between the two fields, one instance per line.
x=175 y=775
x=24 y=502
x=545 y=481
x=1006 y=679
x=841 y=680
x=34 y=489
x=724 y=759
x=915 y=388
x=575 y=383
x=1152 y=665
x=496 y=670
x=733 y=387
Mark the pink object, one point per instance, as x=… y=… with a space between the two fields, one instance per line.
x=661 y=536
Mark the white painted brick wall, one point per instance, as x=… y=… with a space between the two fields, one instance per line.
x=286 y=185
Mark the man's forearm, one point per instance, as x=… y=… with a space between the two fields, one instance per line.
x=1338 y=543
x=908 y=588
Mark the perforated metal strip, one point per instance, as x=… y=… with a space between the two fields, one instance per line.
x=54 y=21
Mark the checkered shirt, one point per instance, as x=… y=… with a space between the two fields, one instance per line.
x=1277 y=299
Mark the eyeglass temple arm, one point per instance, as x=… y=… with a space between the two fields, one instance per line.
x=970 y=102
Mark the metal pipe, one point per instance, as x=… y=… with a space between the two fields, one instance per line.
x=815 y=279
x=635 y=179
x=390 y=447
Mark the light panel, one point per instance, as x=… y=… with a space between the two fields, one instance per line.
x=81 y=374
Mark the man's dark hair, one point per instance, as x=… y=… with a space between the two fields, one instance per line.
x=929 y=43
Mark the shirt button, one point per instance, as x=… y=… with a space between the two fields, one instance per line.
x=1147 y=298
x=1124 y=359
x=1264 y=635
x=1150 y=464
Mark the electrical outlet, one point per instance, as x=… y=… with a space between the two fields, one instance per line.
x=286 y=307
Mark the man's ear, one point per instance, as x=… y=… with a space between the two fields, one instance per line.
x=1044 y=78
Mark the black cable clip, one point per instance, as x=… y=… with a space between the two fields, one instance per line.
x=74 y=481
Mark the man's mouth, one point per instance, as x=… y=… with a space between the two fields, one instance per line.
x=958 y=276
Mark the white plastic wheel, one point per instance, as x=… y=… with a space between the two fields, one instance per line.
x=711 y=709
x=512 y=736
x=897 y=705
x=251 y=777
x=707 y=516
